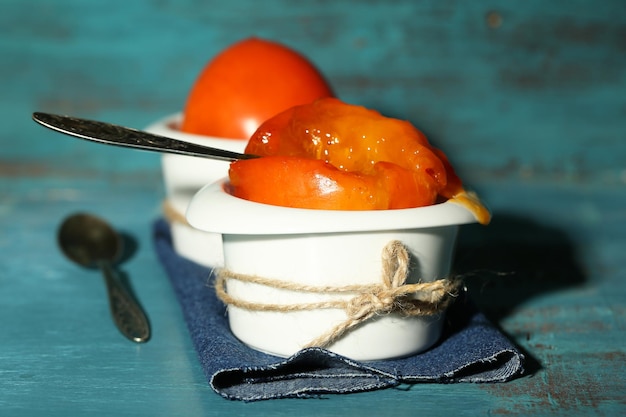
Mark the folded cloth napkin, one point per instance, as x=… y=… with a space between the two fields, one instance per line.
x=471 y=348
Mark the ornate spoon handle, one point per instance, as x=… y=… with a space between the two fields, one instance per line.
x=111 y=134
x=128 y=316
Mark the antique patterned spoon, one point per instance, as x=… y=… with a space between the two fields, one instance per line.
x=91 y=242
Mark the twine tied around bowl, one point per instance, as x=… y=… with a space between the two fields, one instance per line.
x=172 y=215
x=393 y=294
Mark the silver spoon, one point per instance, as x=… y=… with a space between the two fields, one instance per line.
x=131 y=138
x=91 y=242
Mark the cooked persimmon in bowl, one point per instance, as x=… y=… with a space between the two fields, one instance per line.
x=335 y=186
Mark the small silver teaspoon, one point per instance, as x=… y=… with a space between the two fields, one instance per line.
x=91 y=242
x=131 y=138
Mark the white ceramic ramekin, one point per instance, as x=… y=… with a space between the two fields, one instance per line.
x=325 y=247
x=183 y=177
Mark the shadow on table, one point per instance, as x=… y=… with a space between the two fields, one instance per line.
x=130 y=245
x=513 y=260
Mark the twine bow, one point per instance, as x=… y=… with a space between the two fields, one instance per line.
x=391 y=295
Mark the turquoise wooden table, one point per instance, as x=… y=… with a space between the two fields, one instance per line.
x=527 y=98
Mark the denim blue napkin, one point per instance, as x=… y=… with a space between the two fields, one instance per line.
x=471 y=348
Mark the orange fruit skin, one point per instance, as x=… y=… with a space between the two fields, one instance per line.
x=311 y=183
x=333 y=155
x=248 y=83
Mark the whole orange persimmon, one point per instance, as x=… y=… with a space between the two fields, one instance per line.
x=246 y=84
x=333 y=155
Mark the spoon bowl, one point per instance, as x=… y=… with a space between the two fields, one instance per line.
x=86 y=239
x=91 y=242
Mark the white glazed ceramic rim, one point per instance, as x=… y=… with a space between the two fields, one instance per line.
x=213 y=209
x=168 y=126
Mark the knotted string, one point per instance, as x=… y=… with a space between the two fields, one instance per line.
x=391 y=295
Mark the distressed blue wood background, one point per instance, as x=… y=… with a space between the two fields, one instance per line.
x=527 y=98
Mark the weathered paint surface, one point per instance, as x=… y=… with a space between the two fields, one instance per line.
x=540 y=86
x=527 y=98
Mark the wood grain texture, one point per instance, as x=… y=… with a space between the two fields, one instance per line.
x=541 y=85
x=527 y=98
